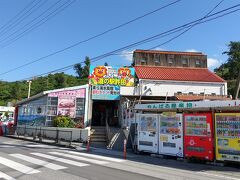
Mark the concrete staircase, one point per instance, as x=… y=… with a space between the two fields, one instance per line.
x=98 y=136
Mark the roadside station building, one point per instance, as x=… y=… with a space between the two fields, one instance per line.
x=40 y=109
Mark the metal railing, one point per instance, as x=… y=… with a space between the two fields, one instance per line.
x=108 y=133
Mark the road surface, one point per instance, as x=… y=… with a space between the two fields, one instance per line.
x=28 y=160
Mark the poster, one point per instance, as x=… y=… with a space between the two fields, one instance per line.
x=67 y=101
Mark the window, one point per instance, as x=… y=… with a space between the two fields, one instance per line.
x=170 y=59
x=39 y=110
x=52 y=106
x=157 y=61
x=184 y=61
x=197 y=62
x=80 y=107
x=143 y=61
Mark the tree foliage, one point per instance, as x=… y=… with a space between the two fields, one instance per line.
x=83 y=72
x=230 y=70
x=15 y=91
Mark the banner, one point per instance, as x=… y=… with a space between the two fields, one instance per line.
x=107 y=75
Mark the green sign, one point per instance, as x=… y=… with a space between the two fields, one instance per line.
x=177 y=105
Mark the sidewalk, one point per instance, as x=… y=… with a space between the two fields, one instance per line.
x=74 y=145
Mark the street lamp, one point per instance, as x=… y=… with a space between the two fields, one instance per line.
x=29 y=87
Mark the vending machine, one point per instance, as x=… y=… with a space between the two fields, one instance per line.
x=198 y=136
x=227 y=130
x=171 y=134
x=148 y=133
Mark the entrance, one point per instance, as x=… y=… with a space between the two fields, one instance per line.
x=105 y=111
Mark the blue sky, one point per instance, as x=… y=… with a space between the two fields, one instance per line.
x=84 y=19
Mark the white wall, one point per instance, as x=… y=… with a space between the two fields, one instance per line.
x=126 y=91
x=163 y=88
x=50 y=132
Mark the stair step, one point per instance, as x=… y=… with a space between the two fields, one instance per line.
x=98 y=133
x=98 y=127
x=98 y=140
x=98 y=136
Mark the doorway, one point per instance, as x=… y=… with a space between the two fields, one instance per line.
x=105 y=111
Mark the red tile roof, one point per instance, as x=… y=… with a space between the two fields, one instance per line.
x=170 y=52
x=176 y=74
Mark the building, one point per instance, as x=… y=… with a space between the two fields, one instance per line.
x=157 y=76
x=169 y=59
x=41 y=109
x=163 y=76
x=176 y=75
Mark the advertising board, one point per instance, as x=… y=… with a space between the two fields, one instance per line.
x=106 y=81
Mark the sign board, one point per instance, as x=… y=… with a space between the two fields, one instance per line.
x=106 y=92
x=108 y=75
x=106 y=81
x=188 y=105
x=166 y=106
x=67 y=101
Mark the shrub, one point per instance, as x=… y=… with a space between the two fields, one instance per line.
x=63 y=121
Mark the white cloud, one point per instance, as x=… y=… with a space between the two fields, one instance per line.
x=191 y=50
x=213 y=63
x=127 y=55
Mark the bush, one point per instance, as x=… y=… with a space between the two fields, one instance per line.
x=63 y=121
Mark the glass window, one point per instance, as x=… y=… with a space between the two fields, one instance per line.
x=80 y=107
x=198 y=62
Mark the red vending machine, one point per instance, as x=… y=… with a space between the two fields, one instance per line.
x=198 y=136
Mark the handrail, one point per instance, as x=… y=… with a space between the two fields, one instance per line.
x=107 y=132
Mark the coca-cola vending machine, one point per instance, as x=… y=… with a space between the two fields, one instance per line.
x=199 y=136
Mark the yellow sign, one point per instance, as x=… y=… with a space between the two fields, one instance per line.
x=227 y=130
x=108 y=75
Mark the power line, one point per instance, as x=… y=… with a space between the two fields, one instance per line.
x=40 y=22
x=93 y=37
x=28 y=23
x=12 y=19
x=17 y=20
x=135 y=44
x=172 y=30
x=188 y=29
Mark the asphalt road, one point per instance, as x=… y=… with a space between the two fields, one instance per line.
x=28 y=160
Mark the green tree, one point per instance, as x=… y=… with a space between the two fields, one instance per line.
x=15 y=91
x=78 y=69
x=230 y=70
x=86 y=67
x=59 y=80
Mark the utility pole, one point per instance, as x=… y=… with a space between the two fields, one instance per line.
x=237 y=85
x=29 y=88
